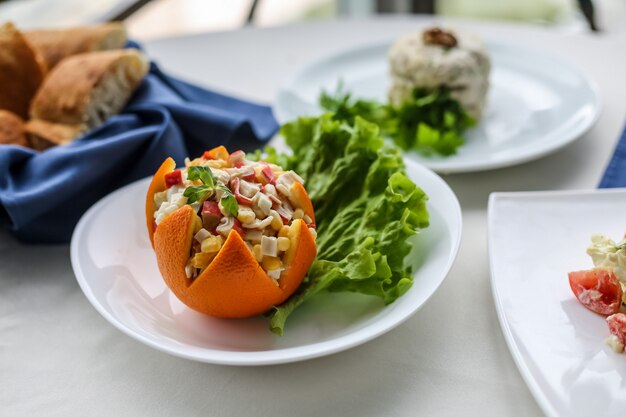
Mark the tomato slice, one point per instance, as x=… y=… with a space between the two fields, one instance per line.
x=617 y=326
x=597 y=289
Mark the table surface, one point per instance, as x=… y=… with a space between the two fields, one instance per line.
x=59 y=357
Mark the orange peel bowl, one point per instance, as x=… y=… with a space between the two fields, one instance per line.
x=233 y=285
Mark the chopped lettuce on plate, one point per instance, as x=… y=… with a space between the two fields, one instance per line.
x=431 y=122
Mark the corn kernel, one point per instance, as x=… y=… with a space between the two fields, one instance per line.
x=245 y=215
x=292 y=230
x=313 y=232
x=277 y=223
x=270 y=263
x=298 y=213
x=284 y=231
x=211 y=244
x=307 y=219
x=202 y=259
x=256 y=250
x=283 y=244
x=197 y=224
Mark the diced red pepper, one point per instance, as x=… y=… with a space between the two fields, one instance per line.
x=241 y=199
x=238 y=228
x=268 y=174
x=211 y=215
x=216 y=153
x=236 y=159
x=173 y=178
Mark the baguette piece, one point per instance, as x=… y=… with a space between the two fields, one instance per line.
x=20 y=72
x=54 y=45
x=85 y=89
x=43 y=135
x=11 y=129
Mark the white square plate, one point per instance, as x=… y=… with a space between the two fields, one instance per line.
x=535 y=239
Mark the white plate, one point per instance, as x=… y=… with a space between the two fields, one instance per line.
x=536 y=105
x=535 y=239
x=116 y=269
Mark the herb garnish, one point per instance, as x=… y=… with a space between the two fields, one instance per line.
x=202 y=192
x=431 y=121
x=199 y=192
x=229 y=202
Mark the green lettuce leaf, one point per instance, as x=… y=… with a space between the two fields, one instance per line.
x=430 y=121
x=366 y=208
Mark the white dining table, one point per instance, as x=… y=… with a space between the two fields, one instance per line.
x=59 y=357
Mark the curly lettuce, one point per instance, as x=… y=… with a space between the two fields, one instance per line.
x=366 y=209
x=430 y=121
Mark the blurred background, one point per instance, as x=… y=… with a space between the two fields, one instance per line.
x=147 y=19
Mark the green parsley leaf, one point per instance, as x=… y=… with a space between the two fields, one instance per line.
x=203 y=174
x=197 y=192
x=229 y=202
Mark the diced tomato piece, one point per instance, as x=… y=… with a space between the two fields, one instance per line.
x=173 y=178
x=312 y=226
x=617 y=326
x=237 y=227
x=211 y=215
x=597 y=289
x=268 y=174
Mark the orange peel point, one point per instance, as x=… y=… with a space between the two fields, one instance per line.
x=301 y=198
x=156 y=185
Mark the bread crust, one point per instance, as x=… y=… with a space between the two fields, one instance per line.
x=54 y=45
x=42 y=134
x=11 y=129
x=20 y=72
x=67 y=95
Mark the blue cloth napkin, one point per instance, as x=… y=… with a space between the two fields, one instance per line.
x=615 y=173
x=43 y=194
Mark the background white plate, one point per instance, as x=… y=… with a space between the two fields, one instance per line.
x=536 y=105
x=116 y=269
x=535 y=239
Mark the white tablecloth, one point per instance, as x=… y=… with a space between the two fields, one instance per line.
x=58 y=357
